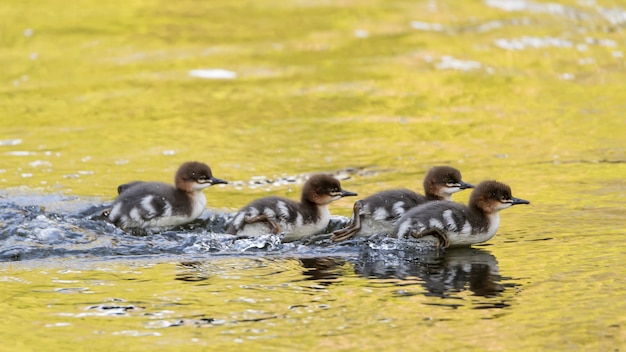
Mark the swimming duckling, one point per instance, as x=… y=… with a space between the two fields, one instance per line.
x=455 y=224
x=296 y=220
x=158 y=205
x=378 y=213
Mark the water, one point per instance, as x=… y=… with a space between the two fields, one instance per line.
x=530 y=93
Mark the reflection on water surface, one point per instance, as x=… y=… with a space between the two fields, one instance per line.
x=527 y=92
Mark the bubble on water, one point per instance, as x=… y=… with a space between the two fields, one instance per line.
x=488 y=26
x=20 y=153
x=217 y=73
x=72 y=290
x=33 y=56
x=265 y=242
x=135 y=333
x=525 y=5
x=361 y=33
x=532 y=42
x=28 y=32
x=60 y=324
x=450 y=63
x=157 y=324
x=49 y=234
x=15 y=141
x=425 y=26
x=39 y=163
x=508 y=5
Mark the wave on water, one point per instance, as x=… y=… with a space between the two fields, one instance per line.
x=35 y=227
x=41 y=226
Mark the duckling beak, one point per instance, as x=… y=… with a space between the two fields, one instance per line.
x=215 y=181
x=519 y=201
x=465 y=185
x=345 y=193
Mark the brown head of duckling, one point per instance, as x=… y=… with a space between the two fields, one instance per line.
x=493 y=196
x=322 y=189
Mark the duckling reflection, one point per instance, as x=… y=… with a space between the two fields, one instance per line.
x=191 y=271
x=442 y=272
x=322 y=268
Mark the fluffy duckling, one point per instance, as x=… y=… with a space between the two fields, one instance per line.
x=378 y=213
x=149 y=205
x=296 y=220
x=455 y=224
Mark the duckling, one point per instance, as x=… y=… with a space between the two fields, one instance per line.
x=378 y=213
x=296 y=220
x=455 y=224
x=150 y=205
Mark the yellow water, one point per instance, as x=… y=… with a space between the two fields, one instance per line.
x=97 y=94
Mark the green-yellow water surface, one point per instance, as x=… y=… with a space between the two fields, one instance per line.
x=531 y=93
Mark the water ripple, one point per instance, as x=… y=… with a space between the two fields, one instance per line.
x=42 y=226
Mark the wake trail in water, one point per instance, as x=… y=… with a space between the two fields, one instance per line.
x=37 y=226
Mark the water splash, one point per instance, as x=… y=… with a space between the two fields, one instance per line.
x=56 y=226
x=42 y=226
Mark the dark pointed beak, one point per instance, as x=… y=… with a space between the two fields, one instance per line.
x=345 y=193
x=215 y=181
x=465 y=185
x=519 y=201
